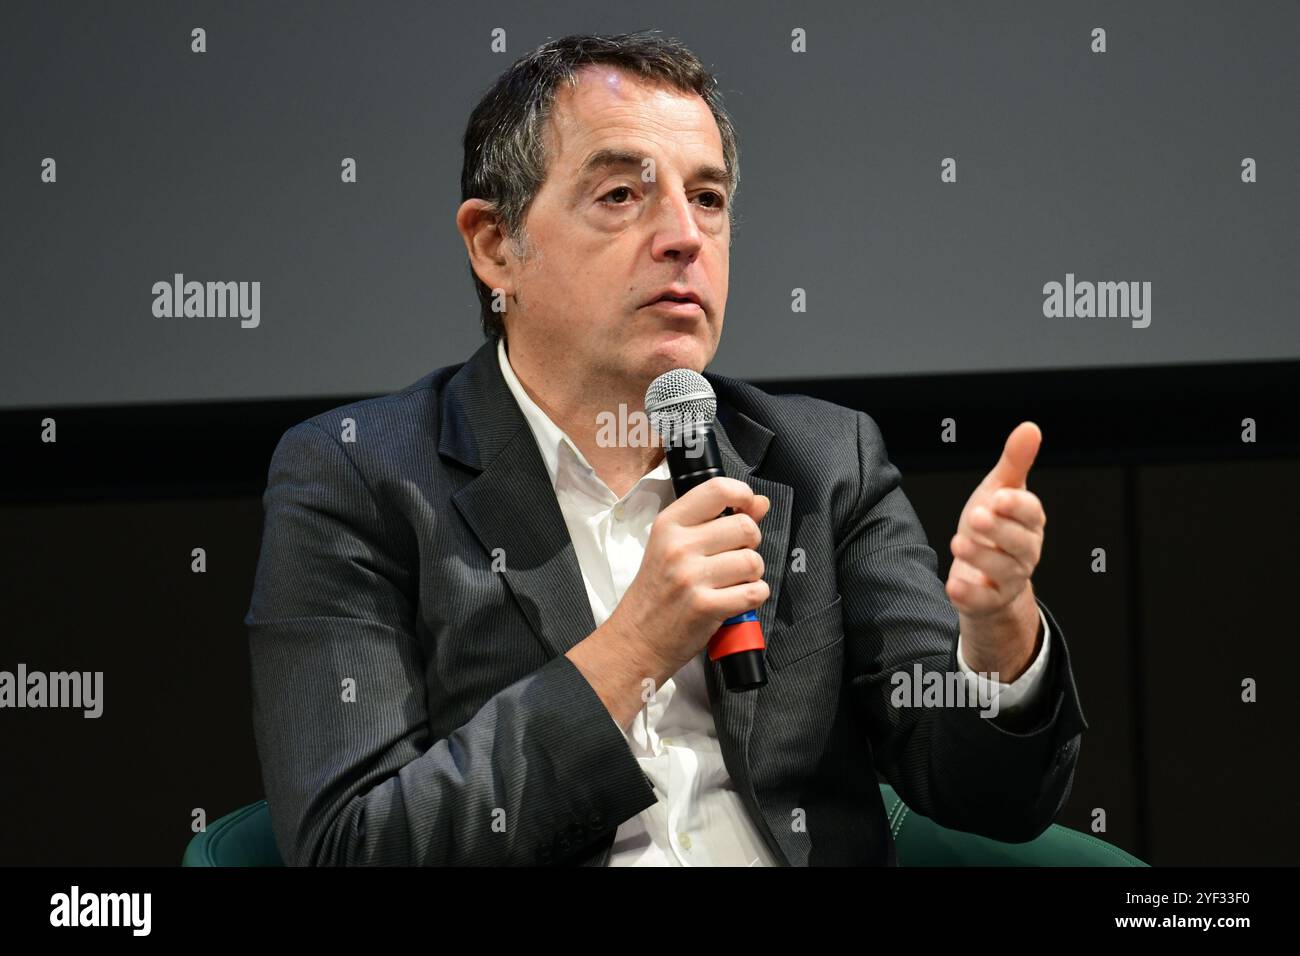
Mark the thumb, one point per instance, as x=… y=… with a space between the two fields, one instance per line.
x=1012 y=469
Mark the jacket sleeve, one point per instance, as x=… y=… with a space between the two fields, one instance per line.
x=1005 y=777
x=340 y=701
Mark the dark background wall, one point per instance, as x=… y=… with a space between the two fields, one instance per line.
x=924 y=303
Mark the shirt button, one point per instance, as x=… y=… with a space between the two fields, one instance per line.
x=619 y=510
x=667 y=741
x=685 y=840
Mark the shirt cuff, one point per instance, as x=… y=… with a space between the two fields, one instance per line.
x=1021 y=693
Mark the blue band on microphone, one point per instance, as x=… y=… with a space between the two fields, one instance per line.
x=747 y=616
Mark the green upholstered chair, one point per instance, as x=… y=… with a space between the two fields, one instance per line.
x=244 y=838
x=922 y=842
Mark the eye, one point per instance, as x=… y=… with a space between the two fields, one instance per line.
x=719 y=201
x=620 y=189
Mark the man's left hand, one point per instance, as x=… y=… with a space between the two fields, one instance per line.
x=996 y=548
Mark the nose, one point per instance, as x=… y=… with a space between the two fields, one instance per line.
x=677 y=234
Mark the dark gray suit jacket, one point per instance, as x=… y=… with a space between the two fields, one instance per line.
x=414 y=706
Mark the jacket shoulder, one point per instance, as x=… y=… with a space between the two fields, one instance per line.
x=789 y=414
x=832 y=453
x=399 y=415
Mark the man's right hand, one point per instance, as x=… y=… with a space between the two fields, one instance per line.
x=698 y=570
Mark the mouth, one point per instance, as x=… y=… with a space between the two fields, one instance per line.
x=676 y=293
x=677 y=301
x=679 y=307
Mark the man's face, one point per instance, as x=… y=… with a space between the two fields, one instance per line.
x=606 y=241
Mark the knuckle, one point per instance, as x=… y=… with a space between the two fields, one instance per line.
x=1035 y=506
x=680 y=578
x=700 y=605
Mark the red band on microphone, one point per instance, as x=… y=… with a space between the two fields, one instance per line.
x=734 y=638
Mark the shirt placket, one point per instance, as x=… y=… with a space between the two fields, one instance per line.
x=625 y=550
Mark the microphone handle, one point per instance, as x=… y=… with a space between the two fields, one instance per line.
x=738 y=644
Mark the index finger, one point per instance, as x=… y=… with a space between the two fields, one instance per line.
x=706 y=501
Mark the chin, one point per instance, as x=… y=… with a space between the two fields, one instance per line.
x=679 y=352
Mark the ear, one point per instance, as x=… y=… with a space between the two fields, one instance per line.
x=485 y=242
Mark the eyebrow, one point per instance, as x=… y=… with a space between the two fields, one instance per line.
x=603 y=159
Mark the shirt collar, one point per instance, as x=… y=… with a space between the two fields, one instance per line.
x=551 y=439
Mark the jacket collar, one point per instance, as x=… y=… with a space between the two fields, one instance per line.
x=479 y=418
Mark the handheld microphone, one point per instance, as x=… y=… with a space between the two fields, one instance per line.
x=681 y=406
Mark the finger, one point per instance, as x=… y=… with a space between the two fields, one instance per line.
x=1012 y=469
x=728 y=568
x=972 y=600
x=706 y=501
x=758 y=507
x=978 y=522
x=726 y=533
x=963 y=570
x=1003 y=569
x=970 y=591
x=1007 y=535
x=1020 y=505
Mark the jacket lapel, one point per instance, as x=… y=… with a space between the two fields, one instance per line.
x=510 y=505
x=733 y=712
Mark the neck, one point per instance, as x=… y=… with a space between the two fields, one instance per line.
x=566 y=397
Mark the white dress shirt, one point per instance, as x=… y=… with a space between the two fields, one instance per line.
x=698 y=818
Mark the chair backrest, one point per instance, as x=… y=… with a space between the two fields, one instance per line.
x=244 y=838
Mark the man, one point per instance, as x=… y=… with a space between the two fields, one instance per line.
x=479 y=631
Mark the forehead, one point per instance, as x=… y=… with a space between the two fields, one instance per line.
x=609 y=106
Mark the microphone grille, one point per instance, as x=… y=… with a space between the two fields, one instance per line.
x=679 y=397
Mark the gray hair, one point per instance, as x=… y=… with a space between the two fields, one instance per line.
x=505 y=157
